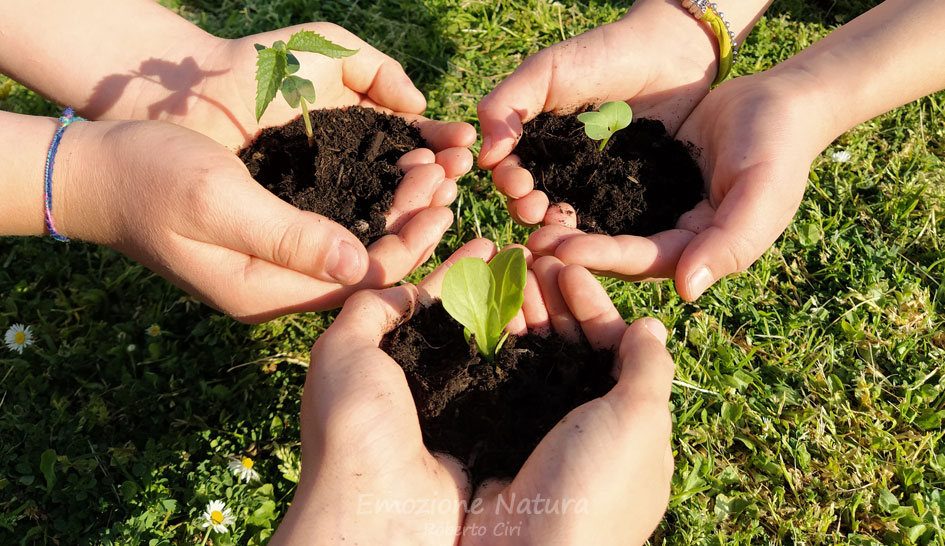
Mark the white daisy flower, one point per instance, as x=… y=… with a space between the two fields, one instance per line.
x=153 y=331
x=841 y=156
x=217 y=516
x=243 y=468
x=18 y=337
x=766 y=426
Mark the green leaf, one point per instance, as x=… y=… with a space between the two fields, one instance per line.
x=468 y=290
x=618 y=114
x=259 y=47
x=608 y=119
x=509 y=272
x=292 y=63
x=306 y=40
x=47 y=465
x=295 y=88
x=270 y=70
x=887 y=501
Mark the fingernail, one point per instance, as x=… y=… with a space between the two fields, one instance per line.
x=656 y=328
x=344 y=263
x=486 y=146
x=699 y=280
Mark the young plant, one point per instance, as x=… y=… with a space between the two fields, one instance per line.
x=485 y=298
x=276 y=66
x=607 y=120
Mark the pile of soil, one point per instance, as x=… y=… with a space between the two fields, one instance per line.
x=491 y=415
x=350 y=172
x=641 y=183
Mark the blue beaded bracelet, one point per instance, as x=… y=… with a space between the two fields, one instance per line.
x=67 y=117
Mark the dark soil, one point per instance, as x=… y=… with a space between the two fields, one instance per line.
x=641 y=183
x=492 y=415
x=350 y=172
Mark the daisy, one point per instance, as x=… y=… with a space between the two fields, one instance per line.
x=243 y=468
x=217 y=516
x=841 y=156
x=18 y=337
x=153 y=331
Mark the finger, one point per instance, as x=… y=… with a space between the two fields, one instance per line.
x=441 y=135
x=534 y=307
x=249 y=219
x=394 y=256
x=562 y=321
x=413 y=194
x=591 y=307
x=516 y=100
x=363 y=321
x=431 y=285
x=626 y=256
x=529 y=210
x=445 y=194
x=456 y=161
x=646 y=367
x=545 y=240
x=383 y=79
x=561 y=214
x=511 y=179
x=747 y=222
x=415 y=158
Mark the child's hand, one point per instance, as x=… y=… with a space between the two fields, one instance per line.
x=657 y=58
x=608 y=458
x=187 y=208
x=757 y=146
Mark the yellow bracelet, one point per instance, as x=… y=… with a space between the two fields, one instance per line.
x=728 y=47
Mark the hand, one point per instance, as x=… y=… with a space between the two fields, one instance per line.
x=204 y=224
x=607 y=465
x=757 y=146
x=212 y=90
x=658 y=58
x=366 y=476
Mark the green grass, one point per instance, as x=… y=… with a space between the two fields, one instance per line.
x=818 y=409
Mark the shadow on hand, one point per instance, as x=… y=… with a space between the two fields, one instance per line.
x=182 y=81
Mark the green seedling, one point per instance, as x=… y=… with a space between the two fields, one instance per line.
x=607 y=120
x=276 y=66
x=485 y=298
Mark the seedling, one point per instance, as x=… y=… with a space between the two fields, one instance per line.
x=607 y=120
x=485 y=298
x=276 y=66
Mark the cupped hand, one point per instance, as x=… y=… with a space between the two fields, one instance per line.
x=366 y=476
x=212 y=90
x=657 y=58
x=602 y=474
x=757 y=145
x=203 y=223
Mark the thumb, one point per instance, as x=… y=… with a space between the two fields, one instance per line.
x=260 y=224
x=748 y=220
x=516 y=100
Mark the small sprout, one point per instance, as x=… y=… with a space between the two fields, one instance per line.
x=607 y=120
x=276 y=66
x=485 y=298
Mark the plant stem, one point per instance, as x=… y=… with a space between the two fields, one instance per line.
x=206 y=536
x=308 y=123
x=603 y=143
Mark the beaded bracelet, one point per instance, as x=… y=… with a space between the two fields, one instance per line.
x=728 y=47
x=67 y=117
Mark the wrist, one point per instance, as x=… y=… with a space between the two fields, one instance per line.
x=24 y=142
x=811 y=97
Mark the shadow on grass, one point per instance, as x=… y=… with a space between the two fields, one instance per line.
x=826 y=12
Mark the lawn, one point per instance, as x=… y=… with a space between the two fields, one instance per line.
x=809 y=401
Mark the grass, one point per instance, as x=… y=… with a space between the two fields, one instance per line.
x=810 y=404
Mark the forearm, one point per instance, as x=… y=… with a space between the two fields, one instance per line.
x=95 y=55
x=883 y=59
x=24 y=141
